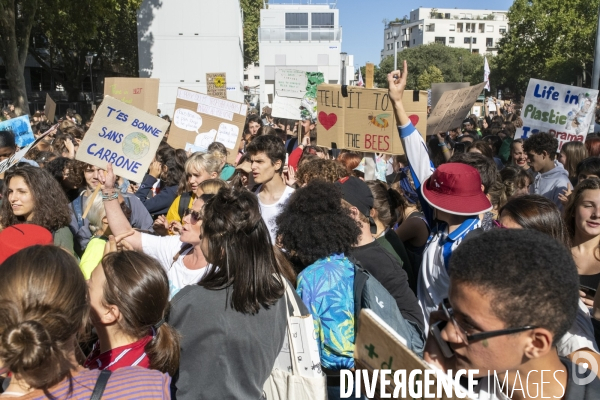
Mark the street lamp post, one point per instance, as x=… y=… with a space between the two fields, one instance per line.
x=395 y=35
x=343 y=58
x=461 y=69
x=89 y=60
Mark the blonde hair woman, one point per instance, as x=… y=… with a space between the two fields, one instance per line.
x=198 y=168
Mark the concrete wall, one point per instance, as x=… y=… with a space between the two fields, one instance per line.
x=180 y=41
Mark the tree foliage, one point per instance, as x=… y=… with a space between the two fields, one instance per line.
x=455 y=65
x=431 y=75
x=251 y=9
x=70 y=30
x=16 y=20
x=548 y=39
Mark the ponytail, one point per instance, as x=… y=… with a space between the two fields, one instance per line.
x=163 y=349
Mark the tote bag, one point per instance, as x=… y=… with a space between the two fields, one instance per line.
x=284 y=385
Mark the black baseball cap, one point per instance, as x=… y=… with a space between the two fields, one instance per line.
x=358 y=194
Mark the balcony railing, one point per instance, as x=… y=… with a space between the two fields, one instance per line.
x=300 y=34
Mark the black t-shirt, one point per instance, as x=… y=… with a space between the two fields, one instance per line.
x=384 y=267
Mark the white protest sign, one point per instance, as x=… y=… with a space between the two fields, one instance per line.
x=123 y=135
x=290 y=83
x=187 y=119
x=227 y=134
x=15 y=158
x=564 y=111
x=203 y=140
x=286 y=107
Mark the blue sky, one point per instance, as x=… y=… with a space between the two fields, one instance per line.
x=362 y=24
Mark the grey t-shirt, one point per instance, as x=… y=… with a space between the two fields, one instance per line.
x=225 y=354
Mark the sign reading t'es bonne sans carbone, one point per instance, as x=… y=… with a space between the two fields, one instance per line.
x=122 y=135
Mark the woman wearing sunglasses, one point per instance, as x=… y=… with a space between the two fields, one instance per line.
x=181 y=256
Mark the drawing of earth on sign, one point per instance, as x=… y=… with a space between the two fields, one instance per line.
x=136 y=145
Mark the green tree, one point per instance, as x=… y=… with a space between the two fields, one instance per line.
x=456 y=65
x=16 y=20
x=548 y=39
x=70 y=30
x=431 y=75
x=251 y=9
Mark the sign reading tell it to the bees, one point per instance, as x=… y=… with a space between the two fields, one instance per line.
x=364 y=119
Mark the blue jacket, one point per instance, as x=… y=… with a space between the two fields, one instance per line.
x=159 y=204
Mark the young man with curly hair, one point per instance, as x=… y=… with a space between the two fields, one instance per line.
x=550 y=179
x=506 y=309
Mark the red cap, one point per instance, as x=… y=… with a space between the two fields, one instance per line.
x=456 y=188
x=17 y=237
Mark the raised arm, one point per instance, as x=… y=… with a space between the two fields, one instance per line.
x=117 y=221
x=412 y=141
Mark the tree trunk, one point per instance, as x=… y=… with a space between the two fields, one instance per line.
x=15 y=29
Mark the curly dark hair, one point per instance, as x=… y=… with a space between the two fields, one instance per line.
x=518 y=280
x=75 y=177
x=314 y=224
x=540 y=142
x=51 y=204
x=174 y=163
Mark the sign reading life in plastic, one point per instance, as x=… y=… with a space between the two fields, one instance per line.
x=122 y=135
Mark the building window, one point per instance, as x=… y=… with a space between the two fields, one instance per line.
x=450 y=40
x=440 y=40
x=452 y=27
x=475 y=51
x=256 y=76
x=296 y=20
x=388 y=35
x=489 y=28
x=413 y=41
x=489 y=42
x=467 y=40
x=404 y=31
x=322 y=20
x=502 y=30
x=481 y=28
x=245 y=77
x=430 y=28
x=474 y=40
x=398 y=44
x=459 y=27
x=406 y=43
x=447 y=15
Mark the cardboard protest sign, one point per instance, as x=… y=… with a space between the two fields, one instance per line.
x=452 y=108
x=379 y=347
x=286 y=107
x=21 y=128
x=141 y=93
x=438 y=89
x=50 y=108
x=199 y=117
x=122 y=135
x=15 y=158
x=216 y=85
x=364 y=120
x=562 y=110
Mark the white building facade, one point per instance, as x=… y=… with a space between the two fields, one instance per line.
x=180 y=41
x=476 y=30
x=307 y=37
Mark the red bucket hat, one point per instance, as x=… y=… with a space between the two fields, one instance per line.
x=17 y=237
x=456 y=188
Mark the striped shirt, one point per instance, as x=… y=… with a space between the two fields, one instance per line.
x=131 y=355
x=125 y=383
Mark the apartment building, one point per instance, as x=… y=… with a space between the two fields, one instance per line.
x=476 y=30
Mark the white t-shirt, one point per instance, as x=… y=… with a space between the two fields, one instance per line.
x=580 y=336
x=164 y=248
x=270 y=211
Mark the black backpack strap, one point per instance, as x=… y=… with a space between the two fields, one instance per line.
x=100 y=385
x=361 y=276
x=184 y=200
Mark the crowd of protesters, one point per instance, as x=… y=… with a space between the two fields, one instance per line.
x=175 y=285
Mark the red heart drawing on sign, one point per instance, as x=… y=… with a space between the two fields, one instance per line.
x=414 y=119
x=327 y=120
